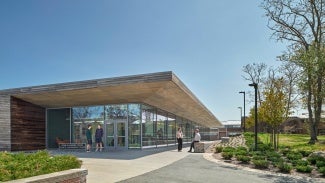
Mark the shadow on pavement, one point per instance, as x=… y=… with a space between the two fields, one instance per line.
x=129 y=154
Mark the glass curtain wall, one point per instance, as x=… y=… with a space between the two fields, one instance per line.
x=188 y=132
x=171 y=130
x=149 y=128
x=134 y=125
x=82 y=116
x=116 y=115
x=180 y=124
x=162 y=124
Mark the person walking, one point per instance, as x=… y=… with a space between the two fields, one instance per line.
x=89 y=139
x=197 y=138
x=98 y=138
x=179 y=136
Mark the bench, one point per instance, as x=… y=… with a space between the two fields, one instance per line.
x=59 y=141
x=199 y=147
x=72 y=146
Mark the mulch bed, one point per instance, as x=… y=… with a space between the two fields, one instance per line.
x=211 y=149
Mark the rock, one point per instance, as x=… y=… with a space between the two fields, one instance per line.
x=318 y=153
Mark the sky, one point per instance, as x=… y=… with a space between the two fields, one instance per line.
x=205 y=43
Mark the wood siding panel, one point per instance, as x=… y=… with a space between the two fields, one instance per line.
x=5 y=123
x=27 y=126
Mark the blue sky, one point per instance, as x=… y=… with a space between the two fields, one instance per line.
x=205 y=43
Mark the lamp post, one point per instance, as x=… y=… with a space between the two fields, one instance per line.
x=244 y=128
x=255 y=87
x=241 y=121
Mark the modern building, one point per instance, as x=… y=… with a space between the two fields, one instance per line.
x=230 y=128
x=136 y=111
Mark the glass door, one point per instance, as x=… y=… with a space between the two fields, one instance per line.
x=116 y=135
x=120 y=129
x=110 y=135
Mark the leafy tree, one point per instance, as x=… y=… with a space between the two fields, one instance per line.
x=312 y=84
x=273 y=108
x=301 y=24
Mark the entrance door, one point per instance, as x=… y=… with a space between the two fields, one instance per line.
x=116 y=135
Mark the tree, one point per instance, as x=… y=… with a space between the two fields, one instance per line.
x=273 y=108
x=291 y=77
x=301 y=24
x=312 y=84
x=254 y=73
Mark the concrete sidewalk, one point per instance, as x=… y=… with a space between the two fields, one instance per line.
x=118 y=166
x=168 y=165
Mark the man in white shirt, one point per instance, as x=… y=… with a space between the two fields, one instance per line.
x=197 y=138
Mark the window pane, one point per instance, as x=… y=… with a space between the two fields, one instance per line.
x=161 y=127
x=81 y=117
x=134 y=126
x=171 y=130
x=148 y=126
x=116 y=112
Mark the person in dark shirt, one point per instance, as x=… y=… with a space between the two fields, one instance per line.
x=98 y=138
x=89 y=139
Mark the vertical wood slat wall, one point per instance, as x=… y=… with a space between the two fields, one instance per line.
x=5 y=123
x=27 y=126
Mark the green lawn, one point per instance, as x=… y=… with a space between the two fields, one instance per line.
x=295 y=141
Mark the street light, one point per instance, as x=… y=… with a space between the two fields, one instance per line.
x=255 y=87
x=241 y=121
x=244 y=128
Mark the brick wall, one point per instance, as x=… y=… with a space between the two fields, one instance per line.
x=67 y=176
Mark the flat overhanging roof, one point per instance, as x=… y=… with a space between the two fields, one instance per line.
x=163 y=90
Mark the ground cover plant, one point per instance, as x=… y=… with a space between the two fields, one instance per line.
x=294 y=154
x=22 y=165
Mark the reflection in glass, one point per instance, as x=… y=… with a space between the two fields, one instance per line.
x=116 y=114
x=161 y=127
x=121 y=134
x=134 y=126
x=110 y=134
x=148 y=125
x=189 y=131
x=171 y=130
x=81 y=117
x=118 y=111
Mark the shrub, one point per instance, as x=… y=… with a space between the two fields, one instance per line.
x=242 y=148
x=285 y=151
x=227 y=155
x=273 y=156
x=19 y=165
x=256 y=153
x=305 y=169
x=322 y=170
x=228 y=149
x=219 y=149
x=294 y=156
x=305 y=153
x=241 y=152
x=299 y=162
x=261 y=164
x=284 y=167
x=259 y=157
x=320 y=164
x=314 y=158
x=242 y=158
x=264 y=147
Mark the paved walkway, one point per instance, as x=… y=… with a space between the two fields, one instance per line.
x=168 y=165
